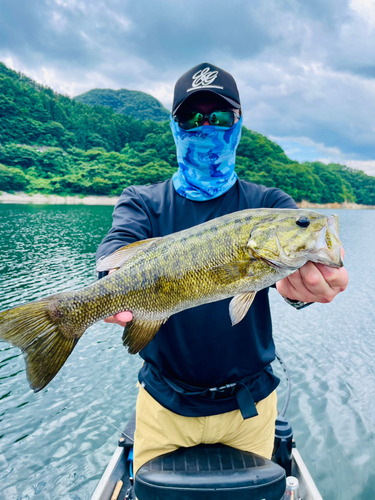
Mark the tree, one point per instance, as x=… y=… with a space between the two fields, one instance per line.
x=12 y=179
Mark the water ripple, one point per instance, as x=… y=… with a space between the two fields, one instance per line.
x=52 y=445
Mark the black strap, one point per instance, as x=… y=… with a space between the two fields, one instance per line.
x=239 y=390
x=245 y=401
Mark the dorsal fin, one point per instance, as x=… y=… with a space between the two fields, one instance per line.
x=120 y=256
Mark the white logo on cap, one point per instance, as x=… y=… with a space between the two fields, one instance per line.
x=203 y=79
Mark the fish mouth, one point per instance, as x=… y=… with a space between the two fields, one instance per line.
x=328 y=247
x=330 y=258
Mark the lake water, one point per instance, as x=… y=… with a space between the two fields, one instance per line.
x=54 y=444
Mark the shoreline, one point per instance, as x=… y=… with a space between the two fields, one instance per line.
x=54 y=199
x=345 y=205
x=21 y=198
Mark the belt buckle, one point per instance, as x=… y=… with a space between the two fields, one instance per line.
x=222 y=389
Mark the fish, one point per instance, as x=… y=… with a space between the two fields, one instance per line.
x=235 y=255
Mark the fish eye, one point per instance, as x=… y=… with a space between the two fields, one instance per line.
x=303 y=221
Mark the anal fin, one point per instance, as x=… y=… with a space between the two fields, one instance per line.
x=239 y=306
x=138 y=333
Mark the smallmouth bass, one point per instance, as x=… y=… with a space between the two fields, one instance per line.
x=232 y=256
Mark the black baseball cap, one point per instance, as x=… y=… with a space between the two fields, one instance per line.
x=207 y=77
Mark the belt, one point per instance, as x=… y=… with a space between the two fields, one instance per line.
x=239 y=390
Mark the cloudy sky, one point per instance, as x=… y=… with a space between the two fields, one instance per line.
x=305 y=69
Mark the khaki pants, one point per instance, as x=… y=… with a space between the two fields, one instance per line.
x=159 y=431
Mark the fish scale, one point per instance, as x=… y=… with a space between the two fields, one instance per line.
x=232 y=256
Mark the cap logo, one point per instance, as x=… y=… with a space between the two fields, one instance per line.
x=203 y=79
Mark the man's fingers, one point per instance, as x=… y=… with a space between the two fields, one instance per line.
x=314 y=283
x=323 y=283
x=121 y=318
x=312 y=277
x=330 y=274
x=317 y=284
x=336 y=278
x=124 y=316
x=294 y=288
x=305 y=283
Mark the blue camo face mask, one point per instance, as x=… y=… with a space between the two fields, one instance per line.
x=206 y=160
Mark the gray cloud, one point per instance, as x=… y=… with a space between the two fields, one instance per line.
x=304 y=69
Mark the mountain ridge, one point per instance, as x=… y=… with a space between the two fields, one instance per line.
x=127 y=102
x=52 y=144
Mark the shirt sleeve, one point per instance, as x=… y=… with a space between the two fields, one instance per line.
x=275 y=198
x=131 y=222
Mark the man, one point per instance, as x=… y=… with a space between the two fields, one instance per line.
x=204 y=381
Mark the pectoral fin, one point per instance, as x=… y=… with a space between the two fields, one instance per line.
x=234 y=271
x=120 y=256
x=239 y=306
x=138 y=333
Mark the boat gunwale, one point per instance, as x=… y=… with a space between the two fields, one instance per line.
x=117 y=459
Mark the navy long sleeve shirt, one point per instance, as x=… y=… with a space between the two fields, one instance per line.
x=199 y=346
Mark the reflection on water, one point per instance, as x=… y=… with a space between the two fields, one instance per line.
x=53 y=446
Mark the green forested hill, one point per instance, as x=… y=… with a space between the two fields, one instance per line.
x=50 y=143
x=127 y=102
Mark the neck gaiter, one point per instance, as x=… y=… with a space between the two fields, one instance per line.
x=206 y=160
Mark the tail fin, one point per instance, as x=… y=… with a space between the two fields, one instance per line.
x=33 y=329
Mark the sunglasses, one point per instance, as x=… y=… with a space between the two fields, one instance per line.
x=193 y=119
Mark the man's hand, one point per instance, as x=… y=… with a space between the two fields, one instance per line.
x=120 y=318
x=314 y=283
